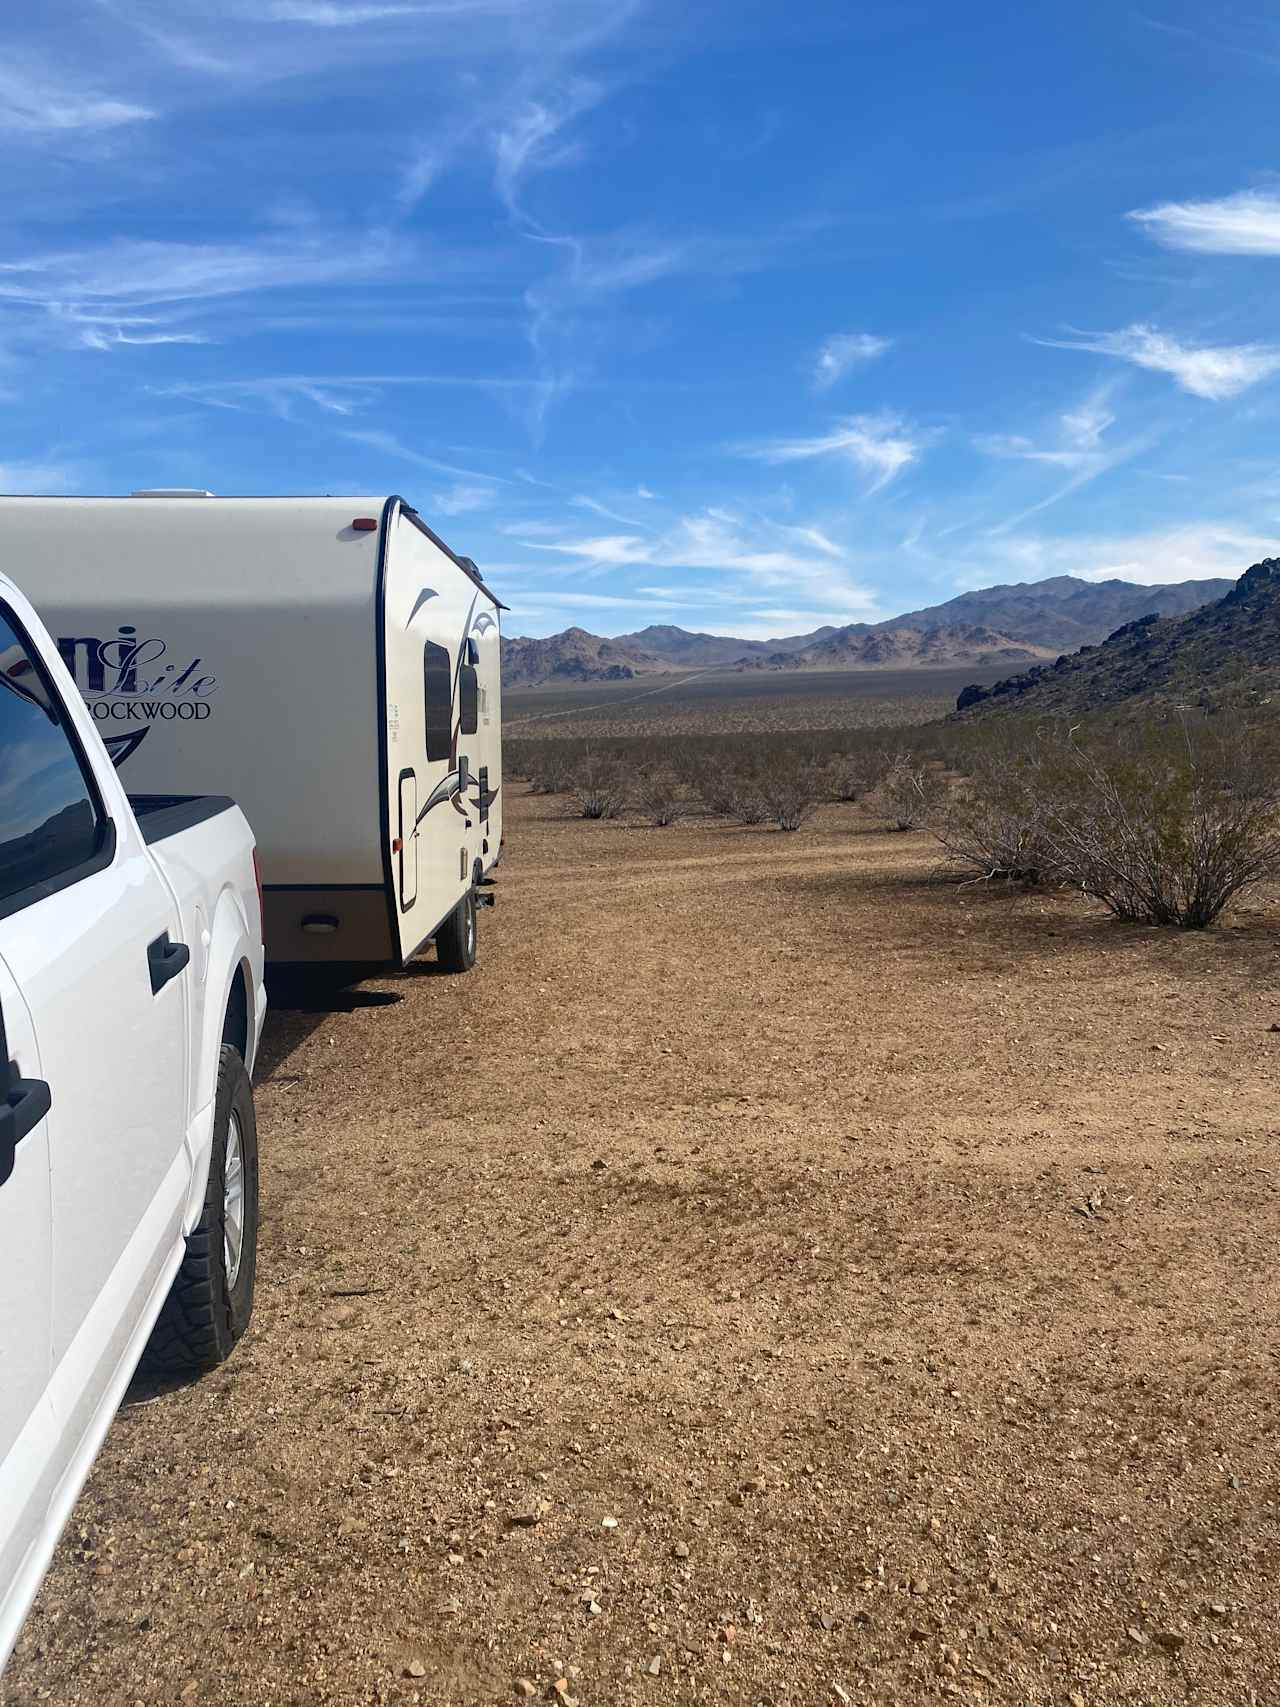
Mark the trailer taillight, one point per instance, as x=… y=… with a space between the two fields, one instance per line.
x=257 y=878
x=365 y=524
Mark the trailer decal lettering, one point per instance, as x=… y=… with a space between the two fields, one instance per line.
x=126 y=665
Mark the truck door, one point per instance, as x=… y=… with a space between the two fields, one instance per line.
x=89 y=932
x=27 y=1471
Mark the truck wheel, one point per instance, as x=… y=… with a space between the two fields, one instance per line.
x=211 y=1301
x=456 y=938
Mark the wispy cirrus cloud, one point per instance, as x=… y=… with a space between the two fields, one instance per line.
x=462 y=500
x=1195 y=551
x=1247 y=223
x=1077 y=438
x=1217 y=372
x=878 y=446
x=844 y=351
x=35 y=104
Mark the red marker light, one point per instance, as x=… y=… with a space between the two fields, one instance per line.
x=365 y=524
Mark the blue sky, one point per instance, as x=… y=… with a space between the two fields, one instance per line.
x=742 y=316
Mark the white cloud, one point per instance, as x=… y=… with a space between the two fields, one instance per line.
x=34 y=105
x=462 y=500
x=879 y=446
x=1247 y=223
x=1077 y=435
x=1217 y=372
x=42 y=477
x=1195 y=552
x=843 y=351
x=644 y=492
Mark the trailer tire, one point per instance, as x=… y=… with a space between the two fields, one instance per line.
x=456 y=938
x=211 y=1300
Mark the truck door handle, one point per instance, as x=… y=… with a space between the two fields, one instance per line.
x=165 y=960
x=25 y=1106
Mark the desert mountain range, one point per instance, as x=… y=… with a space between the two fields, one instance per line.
x=1028 y=623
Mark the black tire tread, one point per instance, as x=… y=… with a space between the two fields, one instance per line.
x=451 y=939
x=191 y=1333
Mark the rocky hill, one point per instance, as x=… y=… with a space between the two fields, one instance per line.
x=1064 y=612
x=1022 y=623
x=573 y=656
x=1219 y=653
x=901 y=648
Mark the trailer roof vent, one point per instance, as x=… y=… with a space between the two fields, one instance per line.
x=171 y=492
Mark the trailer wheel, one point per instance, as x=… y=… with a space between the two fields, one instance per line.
x=456 y=938
x=211 y=1300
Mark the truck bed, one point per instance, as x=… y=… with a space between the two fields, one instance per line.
x=161 y=815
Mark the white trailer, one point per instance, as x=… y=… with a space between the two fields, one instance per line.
x=329 y=662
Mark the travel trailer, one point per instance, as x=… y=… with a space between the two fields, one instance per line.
x=329 y=662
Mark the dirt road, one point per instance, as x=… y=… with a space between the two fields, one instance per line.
x=770 y=1277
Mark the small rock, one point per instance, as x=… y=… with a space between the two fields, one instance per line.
x=594 y=1608
x=608 y=1523
x=841 y=1694
x=1075 y=1699
x=1217 y=1609
x=824 y=1620
x=654 y=1666
x=1172 y=1640
x=455 y=1558
x=681 y=1550
x=526 y=1686
x=1135 y=1635
x=534 y=1515
x=919 y=1585
x=415 y=1668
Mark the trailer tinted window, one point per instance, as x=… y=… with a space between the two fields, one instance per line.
x=49 y=823
x=468 y=700
x=438 y=686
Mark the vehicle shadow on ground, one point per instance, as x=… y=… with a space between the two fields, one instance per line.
x=299 y=1001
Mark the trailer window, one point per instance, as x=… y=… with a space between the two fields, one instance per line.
x=468 y=699
x=437 y=676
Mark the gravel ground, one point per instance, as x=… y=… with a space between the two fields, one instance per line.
x=771 y=1276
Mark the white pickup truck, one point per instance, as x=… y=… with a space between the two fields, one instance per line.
x=131 y=1004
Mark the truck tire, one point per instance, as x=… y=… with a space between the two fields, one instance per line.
x=209 y=1305
x=456 y=938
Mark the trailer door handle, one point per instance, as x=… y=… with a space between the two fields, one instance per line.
x=165 y=960
x=25 y=1107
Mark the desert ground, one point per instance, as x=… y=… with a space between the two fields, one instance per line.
x=741 y=701
x=774 y=1275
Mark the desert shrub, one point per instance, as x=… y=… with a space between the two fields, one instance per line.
x=790 y=793
x=598 y=787
x=661 y=798
x=1165 y=825
x=746 y=799
x=910 y=792
x=994 y=824
x=551 y=773
x=850 y=776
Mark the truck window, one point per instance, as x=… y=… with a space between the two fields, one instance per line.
x=468 y=700
x=438 y=687
x=50 y=824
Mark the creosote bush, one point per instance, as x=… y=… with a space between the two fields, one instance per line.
x=598 y=788
x=910 y=792
x=661 y=798
x=1166 y=826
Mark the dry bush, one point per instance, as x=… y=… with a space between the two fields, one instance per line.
x=1166 y=825
x=661 y=798
x=910 y=793
x=549 y=769
x=994 y=824
x=850 y=776
x=598 y=788
x=746 y=799
x=791 y=792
